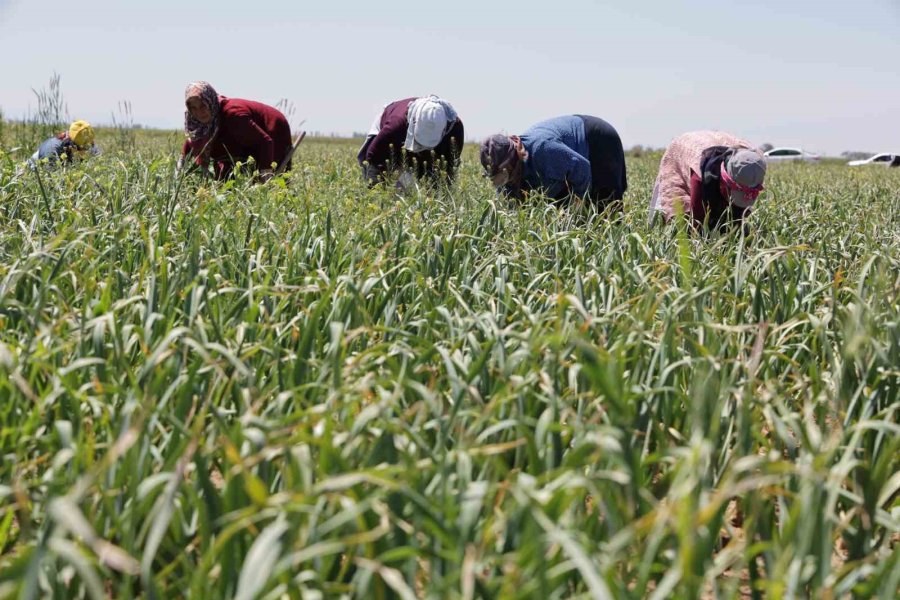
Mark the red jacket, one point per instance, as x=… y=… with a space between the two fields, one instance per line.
x=246 y=128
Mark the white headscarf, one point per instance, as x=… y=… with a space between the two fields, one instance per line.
x=430 y=118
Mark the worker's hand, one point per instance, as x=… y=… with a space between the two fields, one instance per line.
x=406 y=183
x=180 y=164
x=371 y=174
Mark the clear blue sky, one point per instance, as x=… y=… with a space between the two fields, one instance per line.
x=822 y=74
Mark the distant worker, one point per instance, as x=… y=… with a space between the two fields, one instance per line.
x=572 y=156
x=714 y=176
x=75 y=143
x=413 y=137
x=226 y=131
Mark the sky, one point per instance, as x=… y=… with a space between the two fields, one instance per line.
x=819 y=74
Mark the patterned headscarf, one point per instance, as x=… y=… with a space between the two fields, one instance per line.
x=498 y=152
x=194 y=128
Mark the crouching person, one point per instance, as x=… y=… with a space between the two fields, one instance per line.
x=224 y=131
x=73 y=144
x=713 y=177
x=416 y=137
x=572 y=156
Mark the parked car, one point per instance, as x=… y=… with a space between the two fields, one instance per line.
x=884 y=159
x=779 y=154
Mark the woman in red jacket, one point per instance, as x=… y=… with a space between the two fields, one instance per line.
x=230 y=130
x=418 y=136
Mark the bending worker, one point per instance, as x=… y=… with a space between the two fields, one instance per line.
x=76 y=142
x=714 y=176
x=575 y=155
x=226 y=131
x=421 y=136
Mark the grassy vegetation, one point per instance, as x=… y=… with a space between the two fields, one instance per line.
x=310 y=389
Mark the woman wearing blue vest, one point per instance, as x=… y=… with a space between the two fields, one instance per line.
x=572 y=156
x=75 y=143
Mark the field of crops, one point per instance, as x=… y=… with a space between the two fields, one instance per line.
x=309 y=389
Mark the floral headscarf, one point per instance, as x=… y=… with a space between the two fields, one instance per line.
x=498 y=152
x=194 y=128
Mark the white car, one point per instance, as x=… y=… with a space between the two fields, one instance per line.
x=884 y=159
x=780 y=154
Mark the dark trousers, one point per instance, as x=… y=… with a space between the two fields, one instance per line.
x=608 y=178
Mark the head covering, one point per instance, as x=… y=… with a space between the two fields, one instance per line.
x=82 y=134
x=207 y=94
x=498 y=151
x=430 y=118
x=746 y=170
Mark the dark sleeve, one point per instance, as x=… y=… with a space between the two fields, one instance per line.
x=243 y=127
x=698 y=211
x=448 y=152
x=717 y=211
x=387 y=144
